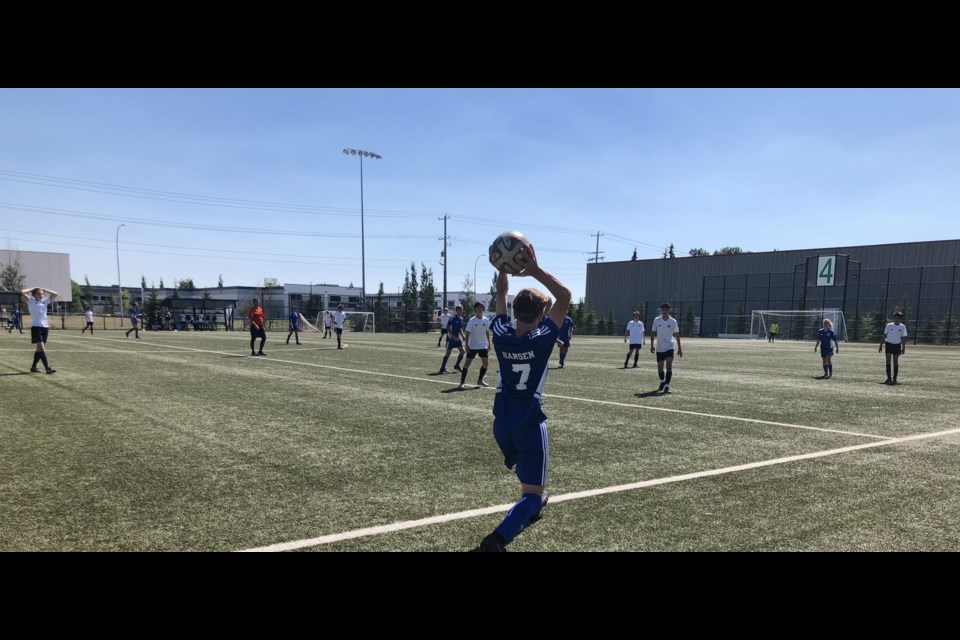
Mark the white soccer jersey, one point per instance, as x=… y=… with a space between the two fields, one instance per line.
x=894 y=333
x=38 y=312
x=636 y=329
x=326 y=319
x=89 y=316
x=338 y=318
x=477 y=330
x=664 y=330
x=444 y=319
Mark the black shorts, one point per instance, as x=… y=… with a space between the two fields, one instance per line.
x=892 y=349
x=38 y=334
x=89 y=324
x=663 y=355
x=634 y=345
x=257 y=332
x=339 y=330
x=473 y=353
x=443 y=332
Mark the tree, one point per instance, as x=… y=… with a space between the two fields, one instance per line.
x=589 y=323
x=687 y=329
x=410 y=295
x=578 y=315
x=666 y=252
x=381 y=308
x=726 y=251
x=143 y=282
x=161 y=283
x=467 y=300
x=124 y=300
x=602 y=326
x=11 y=276
x=88 y=291
x=220 y=282
x=77 y=295
x=611 y=324
x=634 y=254
x=206 y=296
x=493 y=289
x=186 y=285
x=272 y=282
x=152 y=308
x=427 y=296
x=697 y=251
x=109 y=305
x=671 y=251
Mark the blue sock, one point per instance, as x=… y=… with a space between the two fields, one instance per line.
x=562 y=357
x=443 y=365
x=830 y=367
x=669 y=375
x=459 y=359
x=825 y=369
x=518 y=516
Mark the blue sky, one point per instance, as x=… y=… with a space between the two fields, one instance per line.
x=252 y=183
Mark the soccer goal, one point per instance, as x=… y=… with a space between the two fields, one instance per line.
x=796 y=325
x=362 y=321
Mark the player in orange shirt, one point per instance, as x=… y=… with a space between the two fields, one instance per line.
x=256 y=327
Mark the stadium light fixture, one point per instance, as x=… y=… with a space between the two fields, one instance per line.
x=363 y=253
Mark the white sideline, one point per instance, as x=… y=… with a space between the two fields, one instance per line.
x=546 y=395
x=578 y=495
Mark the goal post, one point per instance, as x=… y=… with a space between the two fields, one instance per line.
x=796 y=325
x=359 y=321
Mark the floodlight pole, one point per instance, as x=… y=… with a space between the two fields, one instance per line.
x=119 y=286
x=363 y=260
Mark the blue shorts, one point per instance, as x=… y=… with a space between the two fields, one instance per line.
x=826 y=352
x=454 y=344
x=566 y=343
x=526 y=448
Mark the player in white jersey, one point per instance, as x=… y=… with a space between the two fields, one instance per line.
x=338 y=317
x=634 y=332
x=894 y=341
x=88 y=314
x=478 y=344
x=327 y=320
x=443 y=320
x=665 y=332
x=39 y=327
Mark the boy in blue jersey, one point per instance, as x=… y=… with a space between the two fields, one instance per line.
x=16 y=322
x=134 y=320
x=294 y=325
x=519 y=425
x=826 y=340
x=566 y=332
x=454 y=339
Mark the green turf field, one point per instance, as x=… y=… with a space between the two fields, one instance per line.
x=181 y=442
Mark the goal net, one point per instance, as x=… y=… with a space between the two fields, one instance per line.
x=361 y=321
x=796 y=325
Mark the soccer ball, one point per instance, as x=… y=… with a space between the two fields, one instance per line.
x=506 y=252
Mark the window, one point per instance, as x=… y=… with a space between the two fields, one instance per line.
x=334 y=299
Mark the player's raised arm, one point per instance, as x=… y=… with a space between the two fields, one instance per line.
x=560 y=292
x=502 y=286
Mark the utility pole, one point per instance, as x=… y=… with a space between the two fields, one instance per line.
x=596 y=254
x=443 y=254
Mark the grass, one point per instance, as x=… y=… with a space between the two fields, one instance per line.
x=180 y=442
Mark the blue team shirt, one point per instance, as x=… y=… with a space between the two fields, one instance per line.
x=455 y=327
x=133 y=316
x=566 y=328
x=523 y=371
x=827 y=338
x=16 y=315
x=294 y=321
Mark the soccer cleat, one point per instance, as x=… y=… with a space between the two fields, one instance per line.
x=482 y=383
x=457 y=367
x=49 y=371
x=460 y=386
x=666 y=388
x=888 y=381
x=561 y=366
x=441 y=371
x=634 y=365
x=261 y=353
x=894 y=381
x=662 y=385
x=34 y=370
x=491 y=543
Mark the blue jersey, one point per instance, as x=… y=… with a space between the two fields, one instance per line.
x=827 y=338
x=133 y=316
x=566 y=328
x=16 y=316
x=455 y=327
x=294 y=321
x=523 y=371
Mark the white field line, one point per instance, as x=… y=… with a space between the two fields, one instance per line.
x=579 y=495
x=548 y=395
